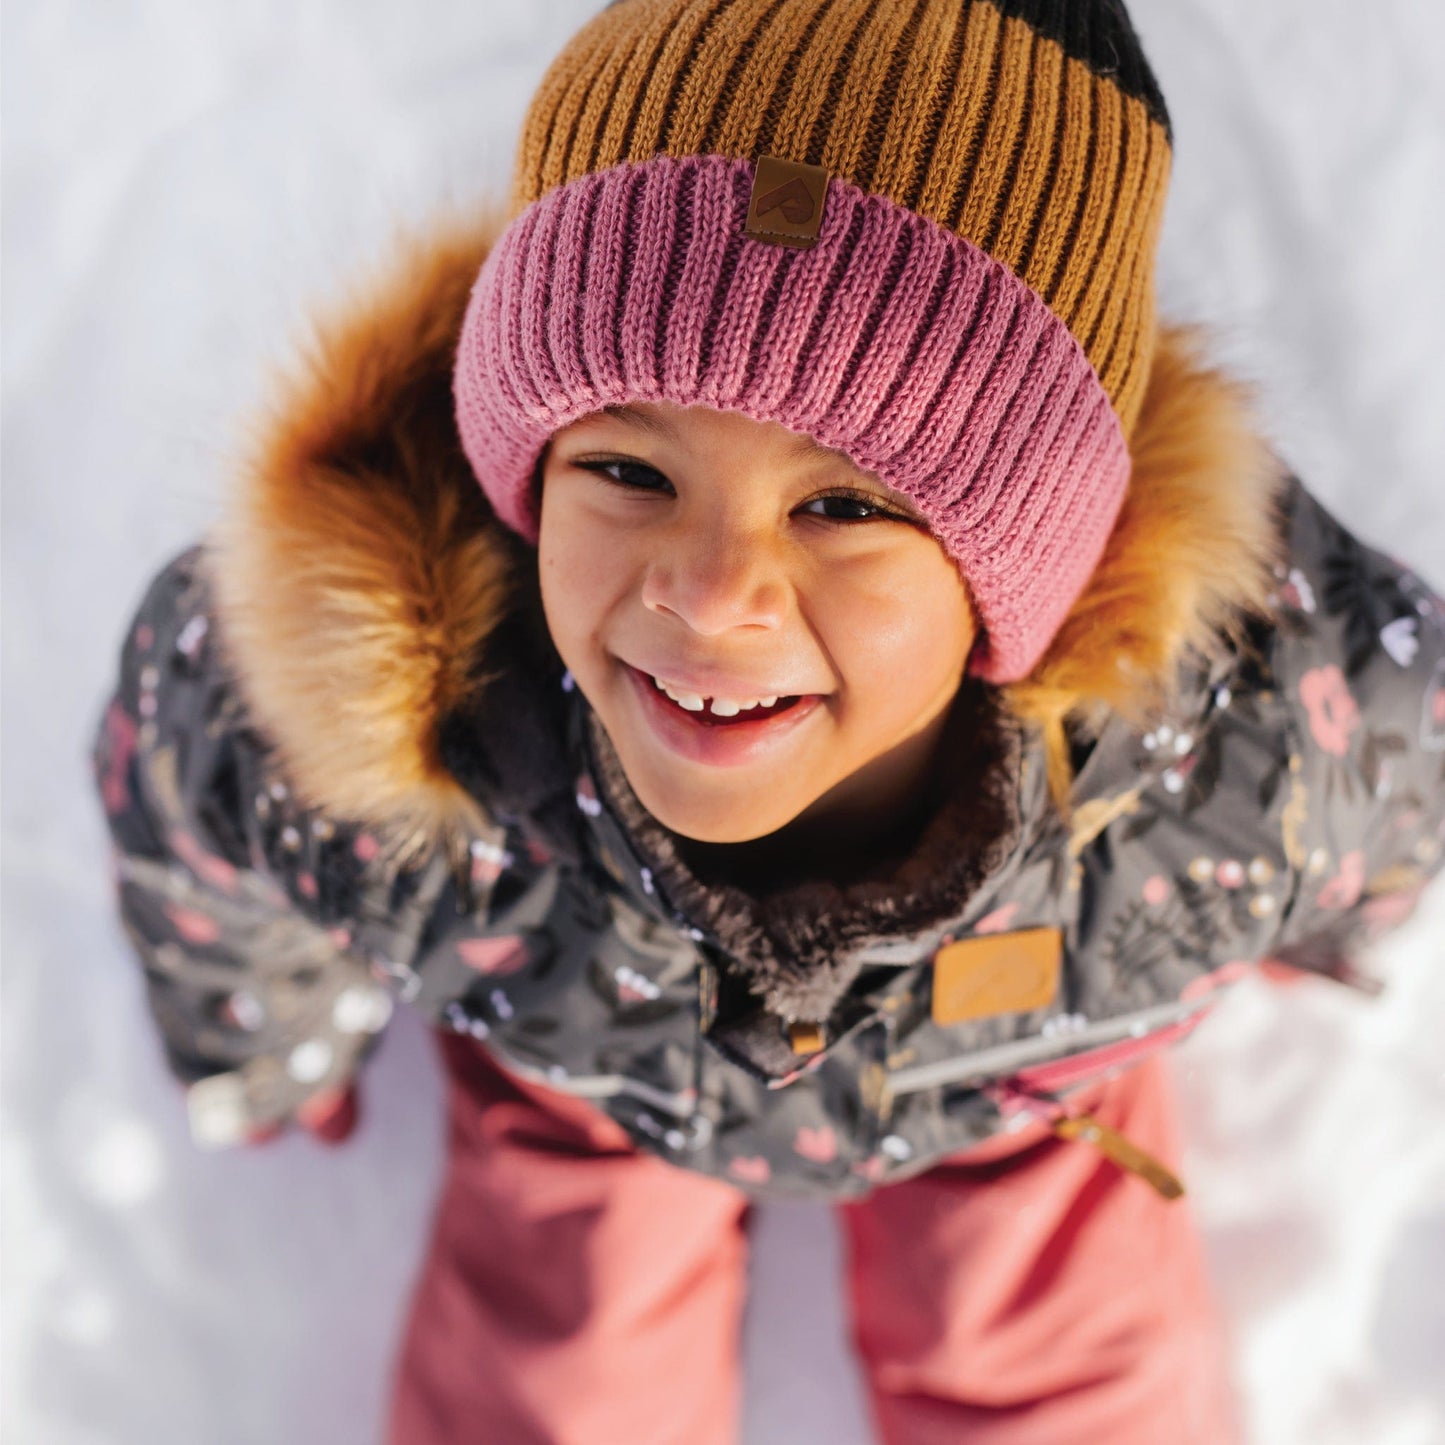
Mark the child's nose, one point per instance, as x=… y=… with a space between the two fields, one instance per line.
x=715 y=584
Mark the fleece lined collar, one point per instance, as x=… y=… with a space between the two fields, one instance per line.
x=798 y=948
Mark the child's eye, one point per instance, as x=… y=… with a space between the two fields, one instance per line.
x=605 y=470
x=639 y=477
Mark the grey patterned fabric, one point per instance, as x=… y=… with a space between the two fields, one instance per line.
x=1292 y=808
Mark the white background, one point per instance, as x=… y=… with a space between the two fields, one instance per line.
x=182 y=181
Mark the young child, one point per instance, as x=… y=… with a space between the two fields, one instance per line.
x=880 y=694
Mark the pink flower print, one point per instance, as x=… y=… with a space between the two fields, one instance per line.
x=144 y=637
x=366 y=848
x=341 y=937
x=820 y=1144
x=1432 y=718
x=487 y=863
x=751 y=1169
x=1156 y=890
x=206 y=866
x=306 y=885
x=501 y=955
x=1389 y=910
x=1343 y=890
x=1230 y=873
x=1332 y=710
x=872 y=1169
x=587 y=796
x=192 y=925
x=999 y=921
x=120 y=740
x=1297 y=592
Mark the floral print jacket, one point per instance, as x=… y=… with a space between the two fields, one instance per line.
x=1288 y=805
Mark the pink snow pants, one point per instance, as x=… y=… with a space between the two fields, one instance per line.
x=578 y=1291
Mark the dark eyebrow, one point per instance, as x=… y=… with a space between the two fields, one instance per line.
x=802 y=446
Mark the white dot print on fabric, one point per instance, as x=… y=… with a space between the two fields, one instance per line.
x=189 y=639
x=216 y=1111
x=1261 y=871
x=245 y=1010
x=359 y=1010
x=309 y=1062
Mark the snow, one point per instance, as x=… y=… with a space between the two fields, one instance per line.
x=182 y=182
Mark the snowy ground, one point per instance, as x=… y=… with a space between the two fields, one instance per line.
x=181 y=179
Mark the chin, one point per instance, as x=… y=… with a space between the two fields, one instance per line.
x=725 y=819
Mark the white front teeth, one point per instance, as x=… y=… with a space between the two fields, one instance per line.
x=721 y=706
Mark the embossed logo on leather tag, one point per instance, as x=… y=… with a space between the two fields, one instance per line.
x=996 y=974
x=786 y=206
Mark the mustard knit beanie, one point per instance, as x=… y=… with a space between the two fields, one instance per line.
x=921 y=231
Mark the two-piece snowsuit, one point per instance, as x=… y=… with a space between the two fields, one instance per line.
x=344 y=766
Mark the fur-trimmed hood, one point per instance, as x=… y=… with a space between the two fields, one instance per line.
x=370 y=599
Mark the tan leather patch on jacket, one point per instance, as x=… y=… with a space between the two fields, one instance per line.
x=786 y=206
x=996 y=974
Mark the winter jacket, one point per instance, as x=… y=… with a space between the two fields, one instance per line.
x=344 y=766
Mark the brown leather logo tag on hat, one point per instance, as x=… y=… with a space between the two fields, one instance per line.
x=995 y=974
x=786 y=206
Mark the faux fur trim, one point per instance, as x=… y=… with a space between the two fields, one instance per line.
x=361 y=576
x=359 y=571
x=1189 y=562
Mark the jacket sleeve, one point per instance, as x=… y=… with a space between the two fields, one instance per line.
x=1360 y=661
x=242 y=907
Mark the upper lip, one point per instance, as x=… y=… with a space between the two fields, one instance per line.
x=707 y=683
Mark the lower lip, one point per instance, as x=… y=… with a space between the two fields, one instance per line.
x=726 y=745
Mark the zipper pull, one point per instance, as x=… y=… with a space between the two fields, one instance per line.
x=1124 y=1152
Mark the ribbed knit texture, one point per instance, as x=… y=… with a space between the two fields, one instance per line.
x=1032 y=128
x=892 y=339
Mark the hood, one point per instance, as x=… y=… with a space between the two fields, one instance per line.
x=375 y=611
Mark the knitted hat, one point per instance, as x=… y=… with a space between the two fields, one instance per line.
x=921 y=231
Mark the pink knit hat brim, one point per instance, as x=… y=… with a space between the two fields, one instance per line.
x=892 y=339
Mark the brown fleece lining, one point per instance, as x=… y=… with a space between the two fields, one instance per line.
x=797 y=947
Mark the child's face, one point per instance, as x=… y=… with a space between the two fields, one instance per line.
x=725 y=563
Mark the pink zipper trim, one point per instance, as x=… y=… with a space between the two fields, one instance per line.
x=1077 y=1068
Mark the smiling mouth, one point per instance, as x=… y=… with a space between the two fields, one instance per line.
x=701 y=710
x=709 y=719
